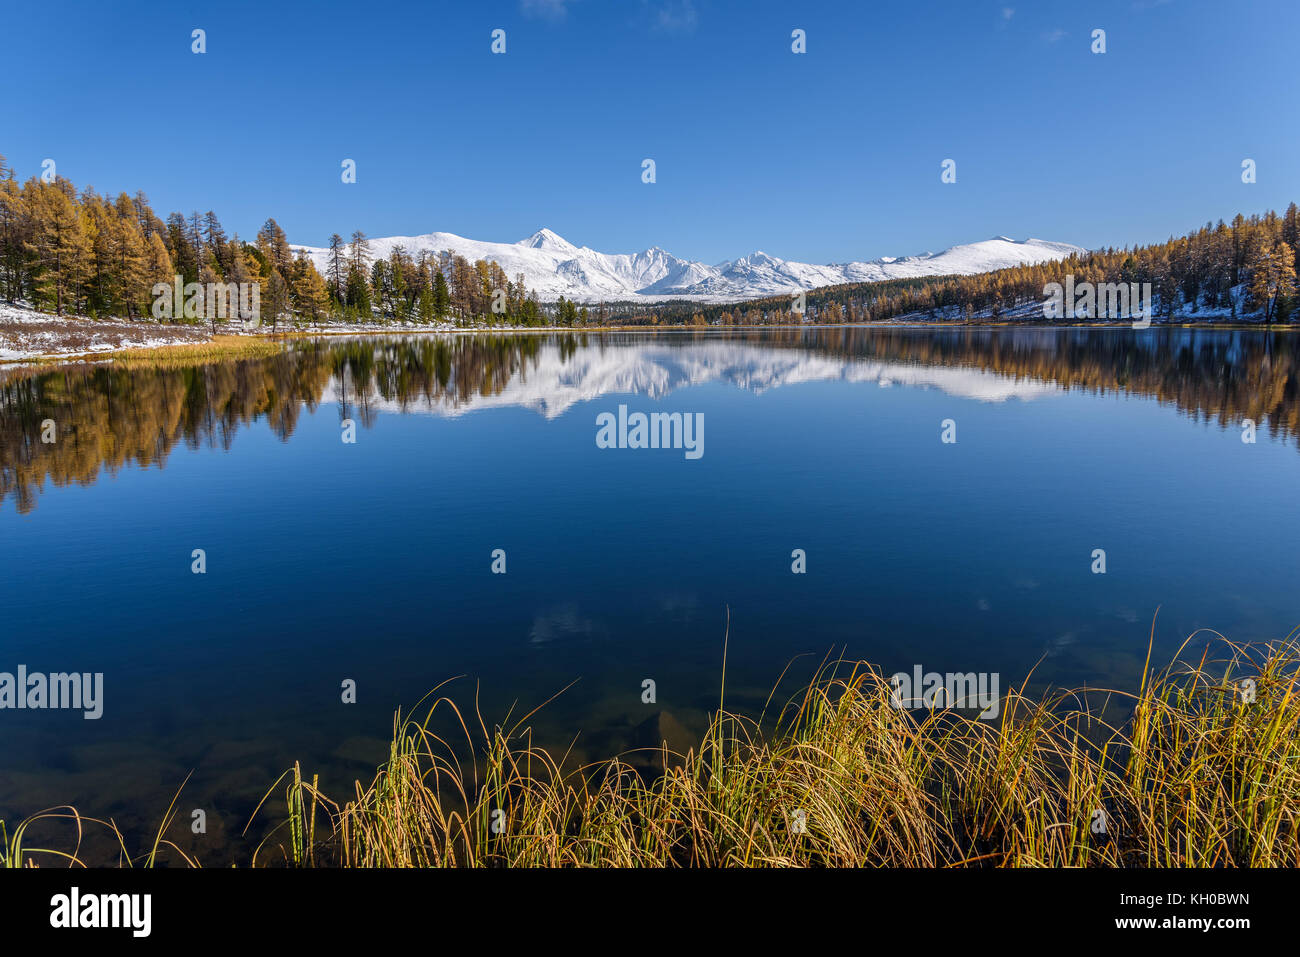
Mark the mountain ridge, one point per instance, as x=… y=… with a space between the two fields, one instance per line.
x=554 y=267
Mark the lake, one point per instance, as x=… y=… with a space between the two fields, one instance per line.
x=372 y=560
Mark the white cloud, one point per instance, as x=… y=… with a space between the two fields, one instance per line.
x=550 y=9
x=673 y=15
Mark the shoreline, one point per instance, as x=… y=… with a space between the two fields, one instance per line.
x=191 y=339
x=851 y=771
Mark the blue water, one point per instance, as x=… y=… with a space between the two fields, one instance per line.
x=372 y=561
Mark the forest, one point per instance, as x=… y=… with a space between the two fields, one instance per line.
x=1241 y=270
x=73 y=252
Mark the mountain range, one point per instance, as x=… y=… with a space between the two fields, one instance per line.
x=553 y=267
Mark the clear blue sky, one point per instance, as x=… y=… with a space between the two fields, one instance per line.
x=831 y=155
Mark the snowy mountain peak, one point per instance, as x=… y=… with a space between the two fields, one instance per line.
x=546 y=239
x=553 y=267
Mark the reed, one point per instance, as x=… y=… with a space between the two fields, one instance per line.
x=1200 y=769
x=1204 y=772
x=187 y=354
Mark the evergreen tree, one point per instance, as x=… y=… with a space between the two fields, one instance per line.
x=358 y=293
x=337 y=267
x=441 y=297
x=183 y=254
x=215 y=238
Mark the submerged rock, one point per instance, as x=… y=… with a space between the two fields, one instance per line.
x=651 y=736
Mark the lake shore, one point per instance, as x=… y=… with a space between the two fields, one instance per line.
x=31 y=337
x=1200 y=770
x=262 y=442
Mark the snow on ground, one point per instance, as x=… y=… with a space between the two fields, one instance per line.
x=26 y=333
x=1033 y=311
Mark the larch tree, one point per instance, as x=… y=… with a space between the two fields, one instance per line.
x=59 y=247
x=309 y=290
x=130 y=271
x=13 y=230
x=159 y=267
x=1273 y=277
x=359 y=251
x=275 y=299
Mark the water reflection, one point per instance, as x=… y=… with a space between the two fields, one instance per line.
x=111 y=415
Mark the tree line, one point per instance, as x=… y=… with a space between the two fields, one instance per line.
x=1240 y=269
x=78 y=252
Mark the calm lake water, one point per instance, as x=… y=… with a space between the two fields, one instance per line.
x=372 y=560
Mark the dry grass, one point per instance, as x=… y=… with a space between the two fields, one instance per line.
x=1196 y=775
x=215 y=350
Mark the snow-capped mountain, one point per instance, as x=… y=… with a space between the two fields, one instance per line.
x=554 y=267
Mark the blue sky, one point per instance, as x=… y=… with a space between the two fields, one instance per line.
x=827 y=156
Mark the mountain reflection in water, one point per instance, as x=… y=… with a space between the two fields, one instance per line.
x=109 y=415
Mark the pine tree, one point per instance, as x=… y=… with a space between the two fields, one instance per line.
x=358 y=293
x=183 y=254
x=441 y=297
x=336 y=266
x=215 y=237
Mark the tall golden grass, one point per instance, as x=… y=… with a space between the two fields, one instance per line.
x=187 y=354
x=1201 y=770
